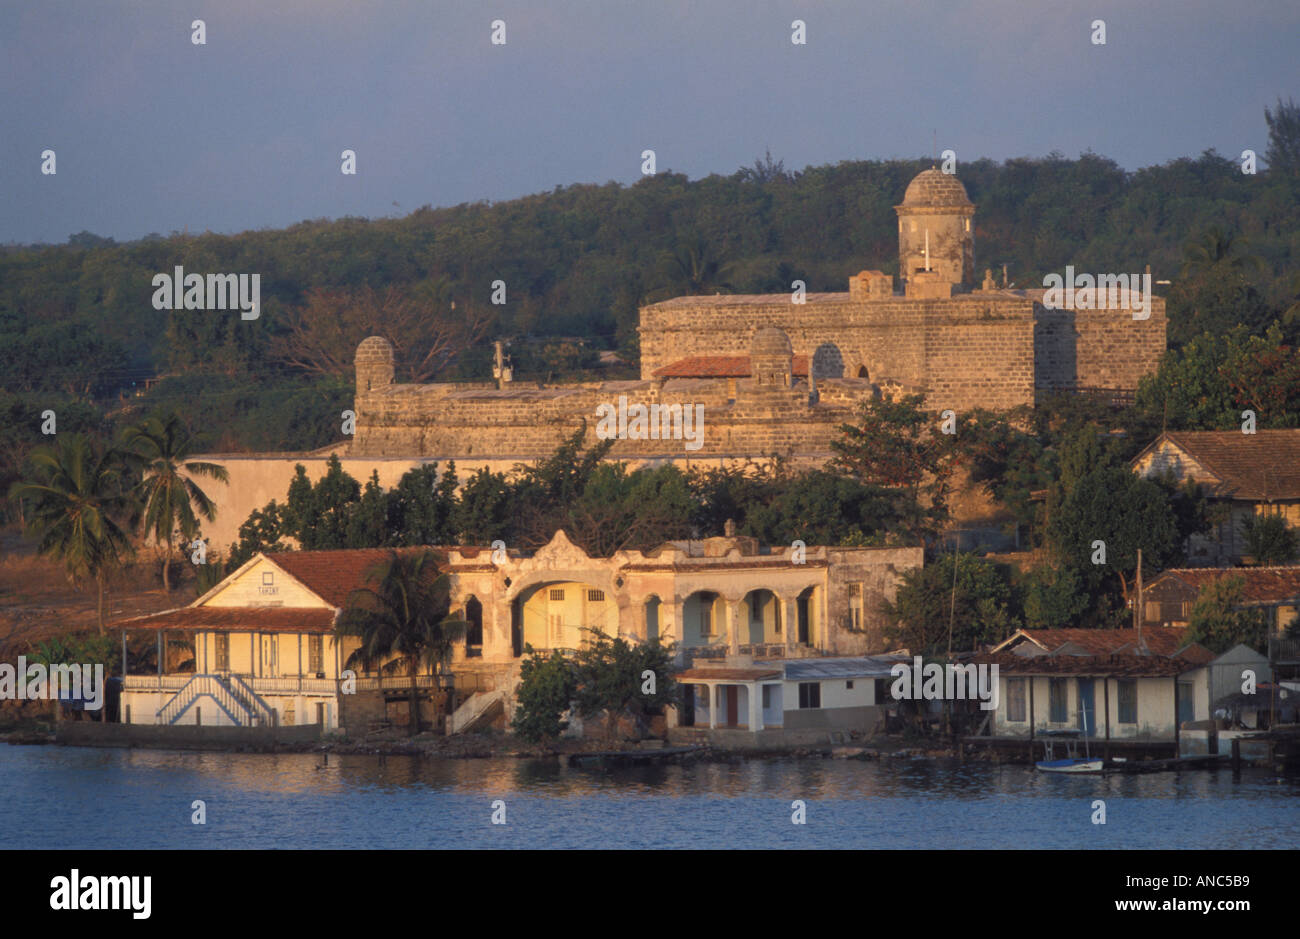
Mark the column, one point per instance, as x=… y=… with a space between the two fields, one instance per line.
x=713 y=706
x=789 y=623
x=755 y=706
x=733 y=625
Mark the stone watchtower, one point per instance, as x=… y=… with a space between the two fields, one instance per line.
x=374 y=365
x=771 y=358
x=936 y=234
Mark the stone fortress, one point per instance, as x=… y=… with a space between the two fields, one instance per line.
x=773 y=375
x=776 y=375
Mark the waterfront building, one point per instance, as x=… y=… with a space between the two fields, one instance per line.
x=264 y=650
x=1111 y=684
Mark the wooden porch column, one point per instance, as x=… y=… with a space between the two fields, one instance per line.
x=300 y=662
x=1105 y=693
x=1030 y=679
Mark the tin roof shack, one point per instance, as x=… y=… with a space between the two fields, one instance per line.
x=1250 y=474
x=739 y=702
x=1169 y=598
x=1238 y=668
x=1113 y=685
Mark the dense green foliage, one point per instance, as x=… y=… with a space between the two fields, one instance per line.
x=403 y=619
x=1219 y=621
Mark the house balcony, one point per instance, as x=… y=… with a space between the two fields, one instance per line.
x=1284 y=651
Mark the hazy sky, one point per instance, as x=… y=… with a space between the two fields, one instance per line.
x=153 y=133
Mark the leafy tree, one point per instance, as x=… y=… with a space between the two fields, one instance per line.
x=1283 y=154
x=615 y=678
x=261 y=532
x=404 y=620
x=162 y=447
x=1269 y=540
x=895 y=443
x=1219 y=621
x=979 y=610
x=1054 y=597
x=545 y=693
x=77 y=507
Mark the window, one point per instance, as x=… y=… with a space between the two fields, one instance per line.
x=595 y=596
x=848 y=685
x=1058 y=693
x=315 y=654
x=557 y=594
x=810 y=694
x=268 y=578
x=1128 y=701
x=1016 y=700
x=855 y=607
x=222 y=643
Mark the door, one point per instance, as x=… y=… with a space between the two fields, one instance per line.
x=1087 y=707
x=733 y=701
x=802 y=606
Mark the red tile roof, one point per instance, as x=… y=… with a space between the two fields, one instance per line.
x=1259 y=466
x=260 y=618
x=721 y=366
x=1160 y=641
x=1262 y=584
x=1124 y=666
x=334 y=575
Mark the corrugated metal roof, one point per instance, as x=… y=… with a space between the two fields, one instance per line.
x=875 y=666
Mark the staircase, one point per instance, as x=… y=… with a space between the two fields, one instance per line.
x=235 y=698
x=479 y=710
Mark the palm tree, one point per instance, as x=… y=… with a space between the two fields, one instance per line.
x=1213 y=247
x=168 y=493
x=695 y=266
x=77 y=499
x=404 y=618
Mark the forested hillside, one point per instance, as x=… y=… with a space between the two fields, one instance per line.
x=78 y=332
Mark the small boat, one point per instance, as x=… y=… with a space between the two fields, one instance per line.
x=1072 y=762
x=1070 y=766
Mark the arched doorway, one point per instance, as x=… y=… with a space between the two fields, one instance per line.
x=763 y=620
x=563 y=614
x=862 y=372
x=704 y=620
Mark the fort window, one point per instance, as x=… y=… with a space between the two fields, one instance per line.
x=595 y=596
x=557 y=594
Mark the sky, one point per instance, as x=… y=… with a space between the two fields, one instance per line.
x=153 y=133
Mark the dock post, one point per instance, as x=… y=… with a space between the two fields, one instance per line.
x=1236 y=754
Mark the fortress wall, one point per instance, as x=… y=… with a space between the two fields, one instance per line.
x=986 y=363
x=529 y=424
x=1115 y=350
x=1098 y=348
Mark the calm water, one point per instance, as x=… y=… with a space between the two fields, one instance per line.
x=66 y=797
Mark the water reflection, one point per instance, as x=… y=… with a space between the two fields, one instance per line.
x=142 y=798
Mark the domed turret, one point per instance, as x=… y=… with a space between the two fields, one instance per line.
x=936 y=234
x=374 y=364
x=771 y=357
